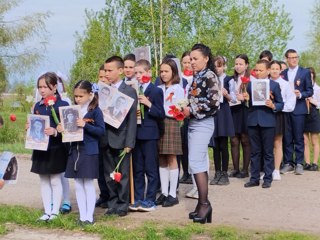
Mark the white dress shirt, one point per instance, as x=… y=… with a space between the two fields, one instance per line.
x=177 y=94
x=288 y=96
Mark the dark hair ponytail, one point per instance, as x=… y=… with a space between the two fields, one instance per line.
x=86 y=85
x=50 y=78
x=206 y=51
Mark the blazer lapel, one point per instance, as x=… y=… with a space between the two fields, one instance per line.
x=297 y=78
x=148 y=90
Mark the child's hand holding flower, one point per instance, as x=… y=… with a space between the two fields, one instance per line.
x=60 y=128
x=144 y=100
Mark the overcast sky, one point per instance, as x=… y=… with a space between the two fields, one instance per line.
x=68 y=17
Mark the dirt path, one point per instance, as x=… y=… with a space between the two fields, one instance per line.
x=291 y=204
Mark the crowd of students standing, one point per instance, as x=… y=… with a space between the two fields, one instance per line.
x=219 y=108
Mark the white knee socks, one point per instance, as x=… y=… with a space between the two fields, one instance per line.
x=173 y=176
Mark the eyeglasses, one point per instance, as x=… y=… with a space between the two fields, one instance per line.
x=293 y=57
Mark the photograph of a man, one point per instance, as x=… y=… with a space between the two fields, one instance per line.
x=70 y=117
x=117 y=111
x=259 y=92
x=37 y=130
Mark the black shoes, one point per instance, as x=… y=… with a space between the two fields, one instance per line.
x=160 y=200
x=216 y=178
x=239 y=174
x=112 y=211
x=224 y=179
x=207 y=217
x=266 y=185
x=251 y=184
x=186 y=179
x=102 y=202
x=221 y=178
x=170 y=201
x=311 y=167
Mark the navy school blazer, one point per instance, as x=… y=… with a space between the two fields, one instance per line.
x=263 y=115
x=303 y=83
x=149 y=128
x=92 y=131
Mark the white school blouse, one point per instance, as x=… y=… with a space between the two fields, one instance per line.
x=171 y=95
x=288 y=96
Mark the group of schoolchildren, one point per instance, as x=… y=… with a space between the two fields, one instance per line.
x=159 y=143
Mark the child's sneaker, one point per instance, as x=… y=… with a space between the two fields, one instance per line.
x=135 y=207
x=147 y=206
x=44 y=218
x=65 y=208
x=52 y=217
x=276 y=175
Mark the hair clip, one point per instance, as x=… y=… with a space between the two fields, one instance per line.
x=94 y=88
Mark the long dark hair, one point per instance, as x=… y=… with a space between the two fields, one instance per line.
x=50 y=78
x=174 y=68
x=86 y=85
x=205 y=51
x=246 y=60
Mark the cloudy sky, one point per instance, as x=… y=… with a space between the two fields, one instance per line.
x=68 y=17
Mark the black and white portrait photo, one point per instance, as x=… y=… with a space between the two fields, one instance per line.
x=36 y=138
x=260 y=92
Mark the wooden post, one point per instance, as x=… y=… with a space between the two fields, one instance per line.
x=131 y=182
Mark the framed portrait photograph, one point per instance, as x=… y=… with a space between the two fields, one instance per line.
x=8 y=168
x=260 y=90
x=68 y=118
x=36 y=139
x=105 y=93
x=117 y=109
x=143 y=53
x=233 y=90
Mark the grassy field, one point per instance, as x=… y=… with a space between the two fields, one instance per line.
x=128 y=228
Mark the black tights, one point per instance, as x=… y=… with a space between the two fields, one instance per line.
x=221 y=154
x=235 y=151
x=202 y=185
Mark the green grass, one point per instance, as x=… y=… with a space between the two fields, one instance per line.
x=128 y=228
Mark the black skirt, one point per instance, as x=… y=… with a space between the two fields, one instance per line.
x=312 y=120
x=280 y=123
x=82 y=165
x=240 y=118
x=52 y=161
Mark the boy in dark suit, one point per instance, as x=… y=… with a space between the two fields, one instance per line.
x=115 y=140
x=261 y=128
x=300 y=81
x=145 y=153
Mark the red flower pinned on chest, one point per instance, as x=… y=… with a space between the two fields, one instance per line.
x=145 y=79
x=245 y=80
x=169 y=98
x=187 y=72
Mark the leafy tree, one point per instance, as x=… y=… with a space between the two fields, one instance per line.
x=14 y=34
x=228 y=27
x=93 y=46
x=310 y=57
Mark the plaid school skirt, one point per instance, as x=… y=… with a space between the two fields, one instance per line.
x=170 y=142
